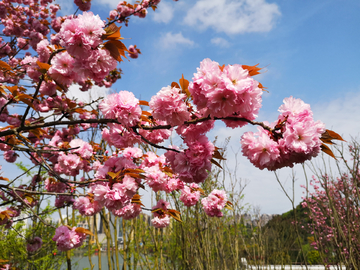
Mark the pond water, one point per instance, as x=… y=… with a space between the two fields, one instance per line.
x=81 y=262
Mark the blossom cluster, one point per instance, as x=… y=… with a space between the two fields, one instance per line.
x=161 y=218
x=294 y=138
x=83 y=58
x=67 y=239
x=34 y=244
x=227 y=91
x=214 y=203
x=332 y=206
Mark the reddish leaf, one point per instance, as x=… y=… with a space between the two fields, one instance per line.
x=175 y=84
x=217 y=155
x=116 y=49
x=146 y=113
x=7 y=127
x=13 y=89
x=4 y=65
x=136 y=175
x=253 y=70
x=184 y=86
x=229 y=205
x=43 y=66
x=4 y=178
x=134 y=171
x=38 y=132
x=80 y=110
x=329 y=135
x=175 y=214
x=136 y=199
x=83 y=230
x=262 y=87
x=144 y=103
x=21 y=96
x=112 y=32
x=144 y=118
x=57 y=47
x=183 y=83
x=202 y=192
x=169 y=174
x=222 y=67
x=157 y=210
x=213 y=161
x=28 y=102
x=327 y=150
x=111 y=29
x=114 y=175
x=2 y=90
x=5 y=214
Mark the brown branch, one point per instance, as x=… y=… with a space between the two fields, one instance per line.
x=43 y=192
x=153 y=144
x=114 y=121
x=32 y=210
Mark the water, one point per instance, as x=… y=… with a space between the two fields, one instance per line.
x=81 y=262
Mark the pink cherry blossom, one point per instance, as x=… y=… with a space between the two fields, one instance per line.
x=86 y=206
x=169 y=105
x=34 y=244
x=122 y=106
x=62 y=69
x=10 y=156
x=130 y=211
x=67 y=239
x=84 y=5
x=160 y=222
x=84 y=149
x=189 y=195
x=214 y=203
x=161 y=219
x=262 y=151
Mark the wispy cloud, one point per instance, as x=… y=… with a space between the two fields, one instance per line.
x=221 y=42
x=170 y=40
x=164 y=13
x=110 y=3
x=233 y=16
x=341 y=115
x=94 y=93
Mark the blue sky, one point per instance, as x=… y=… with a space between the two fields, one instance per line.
x=310 y=50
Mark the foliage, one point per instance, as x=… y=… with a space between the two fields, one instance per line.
x=333 y=207
x=13 y=247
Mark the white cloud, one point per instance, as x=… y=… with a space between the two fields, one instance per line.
x=94 y=93
x=170 y=40
x=221 y=42
x=341 y=115
x=110 y=3
x=233 y=16
x=164 y=13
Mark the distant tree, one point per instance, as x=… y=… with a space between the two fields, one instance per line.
x=333 y=208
